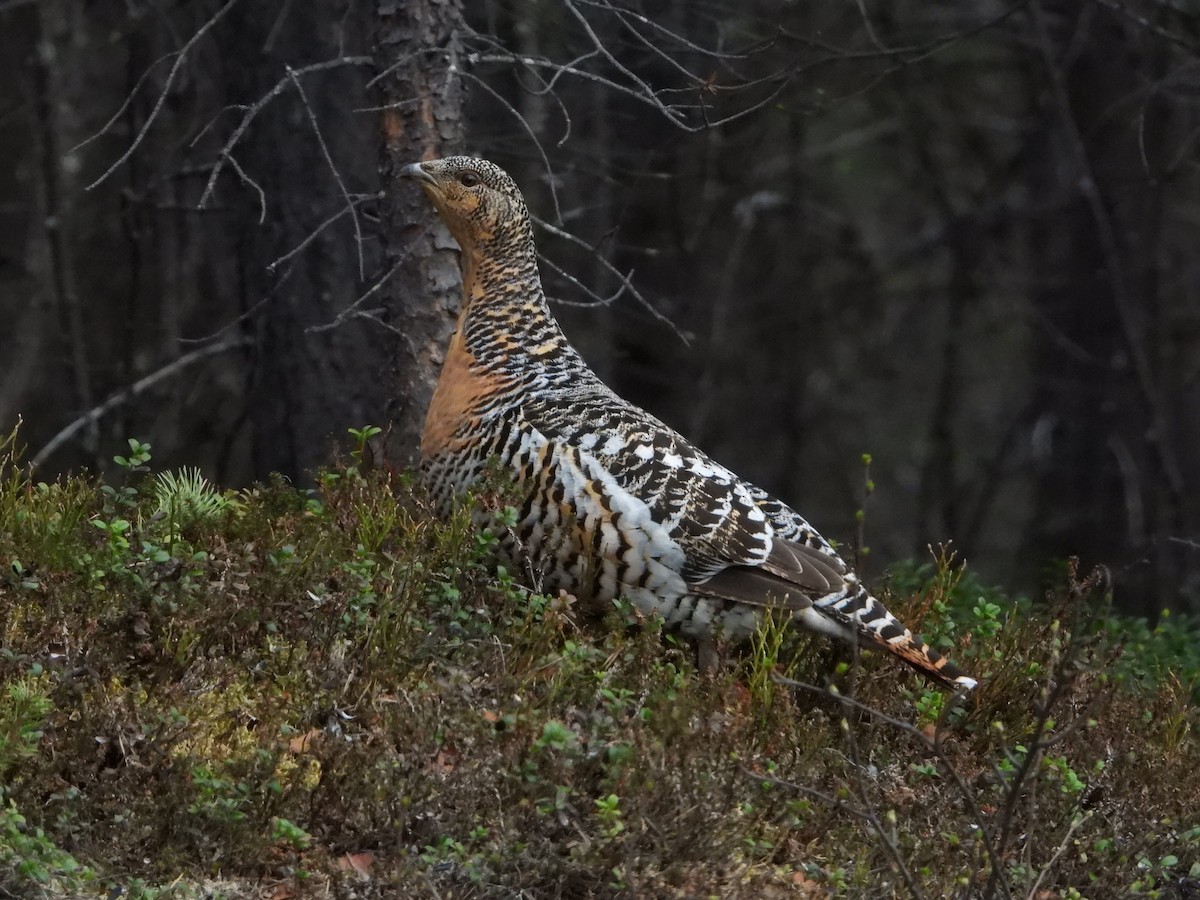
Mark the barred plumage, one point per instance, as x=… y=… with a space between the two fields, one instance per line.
x=616 y=503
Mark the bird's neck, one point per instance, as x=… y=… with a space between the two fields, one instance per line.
x=505 y=320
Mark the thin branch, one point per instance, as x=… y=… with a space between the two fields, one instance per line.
x=669 y=34
x=337 y=176
x=604 y=51
x=1062 y=848
x=561 y=68
x=315 y=233
x=876 y=825
x=403 y=61
x=1123 y=9
x=579 y=242
x=277 y=26
x=162 y=97
x=245 y=315
x=252 y=111
x=667 y=58
x=811 y=792
x=262 y=197
x=931 y=49
x=532 y=136
x=597 y=300
x=869 y=28
x=125 y=103
x=933 y=744
x=352 y=311
x=134 y=391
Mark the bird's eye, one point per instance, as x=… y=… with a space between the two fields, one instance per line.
x=468 y=179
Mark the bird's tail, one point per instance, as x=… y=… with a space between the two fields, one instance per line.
x=854 y=615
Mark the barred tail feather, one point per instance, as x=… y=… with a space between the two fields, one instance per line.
x=854 y=615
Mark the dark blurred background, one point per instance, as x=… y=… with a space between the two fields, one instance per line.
x=961 y=237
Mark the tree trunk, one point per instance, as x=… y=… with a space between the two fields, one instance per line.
x=422 y=119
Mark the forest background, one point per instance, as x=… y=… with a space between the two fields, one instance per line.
x=961 y=238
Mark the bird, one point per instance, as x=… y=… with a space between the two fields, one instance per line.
x=614 y=502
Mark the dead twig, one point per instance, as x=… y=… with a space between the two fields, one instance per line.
x=337 y=176
x=353 y=312
x=162 y=97
x=135 y=390
x=250 y=113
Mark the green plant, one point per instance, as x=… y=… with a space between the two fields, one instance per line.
x=219 y=799
x=139 y=455
x=186 y=498
x=929 y=705
x=290 y=833
x=31 y=856
x=27 y=851
x=766 y=646
x=1070 y=783
x=24 y=706
x=361 y=437
x=608 y=810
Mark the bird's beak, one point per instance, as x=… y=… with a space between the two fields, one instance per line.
x=414 y=171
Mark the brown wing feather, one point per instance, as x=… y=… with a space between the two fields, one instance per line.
x=789 y=578
x=805 y=566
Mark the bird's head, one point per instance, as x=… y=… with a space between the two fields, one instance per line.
x=480 y=204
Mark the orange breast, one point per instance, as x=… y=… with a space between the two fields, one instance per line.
x=461 y=387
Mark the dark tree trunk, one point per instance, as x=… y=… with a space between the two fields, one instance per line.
x=417 y=52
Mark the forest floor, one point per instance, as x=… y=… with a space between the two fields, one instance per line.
x=281 y=693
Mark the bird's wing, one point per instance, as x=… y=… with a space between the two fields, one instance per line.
x=731 y=547
x=736 y=542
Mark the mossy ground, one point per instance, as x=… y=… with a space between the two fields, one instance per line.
x=283 y=693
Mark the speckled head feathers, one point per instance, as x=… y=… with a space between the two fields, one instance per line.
x=478 y=201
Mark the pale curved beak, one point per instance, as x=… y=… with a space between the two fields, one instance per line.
x=414 y=171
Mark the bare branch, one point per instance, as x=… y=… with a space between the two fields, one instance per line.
x=402 y=61
x=352 y=311
x=262 y=197
x=532 y=136
x=134 y=391
x=1122 y=9
x=315 y=233
x=604 y=51
x=337 y=176
x=562 y=68
x=674 y=36
x=650 y=45
x=1122 y=298
x=884 y=838
x=252 y=111
x=935 y=745
x=246 y=315
x=125 y=103
x=162 y=97
x=811 y=792
x=597 y=300
x=1062 y=848
x=646 y=304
